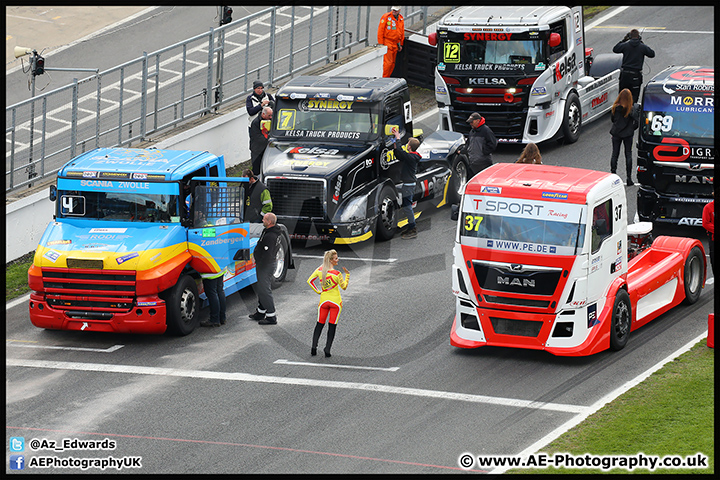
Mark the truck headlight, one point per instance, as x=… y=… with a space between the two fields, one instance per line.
x=356 y=209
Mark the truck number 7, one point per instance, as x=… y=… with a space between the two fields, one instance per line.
x=472 y=222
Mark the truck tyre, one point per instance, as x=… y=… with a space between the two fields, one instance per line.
x=458 y=178
x=693 y=275
x=282 y=258
x=182 y=307
x=621 y=318
x=387 y=214
x=571 y=119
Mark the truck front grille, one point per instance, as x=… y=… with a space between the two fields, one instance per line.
x=297 y=197
x=520 y=328
x=90 y=290
x=506 y=119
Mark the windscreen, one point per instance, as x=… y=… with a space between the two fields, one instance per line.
x=522 y=225
x=161 y=206
x=326 y=119
x=468 y=53
x=687 y=115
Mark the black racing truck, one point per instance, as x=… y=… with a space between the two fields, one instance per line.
x=676 y=146
x=330 y=165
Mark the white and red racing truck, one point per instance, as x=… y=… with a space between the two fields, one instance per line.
x=544 y=259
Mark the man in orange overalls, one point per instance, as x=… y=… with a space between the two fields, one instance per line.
x=391 y=32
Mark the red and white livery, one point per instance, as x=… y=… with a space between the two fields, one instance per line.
x=541 y=262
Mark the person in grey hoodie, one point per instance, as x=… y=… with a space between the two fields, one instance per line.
x=634 y=52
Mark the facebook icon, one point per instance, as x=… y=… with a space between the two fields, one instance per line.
x=17 y=462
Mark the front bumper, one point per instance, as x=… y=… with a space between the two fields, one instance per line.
x=147 y=316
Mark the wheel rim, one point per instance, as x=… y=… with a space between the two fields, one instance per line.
x=622 y=326
x=574 y=118
x=694 y=274
x=461 y=174
x=187 y=306
x=279 y=262
x=387 y=213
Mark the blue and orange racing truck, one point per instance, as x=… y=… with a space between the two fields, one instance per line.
x=133 y=232
x=544 y=259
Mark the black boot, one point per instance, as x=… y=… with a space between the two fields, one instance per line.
x=316 y=337
x=330 y=338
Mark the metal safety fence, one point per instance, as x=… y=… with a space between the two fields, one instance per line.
x=124 y=105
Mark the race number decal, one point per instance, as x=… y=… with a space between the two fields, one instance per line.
x=472 y=222
x=407 y=109
x=660 y=123
x=286 y=119
x=451 y=53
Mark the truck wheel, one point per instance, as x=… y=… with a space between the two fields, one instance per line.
x=621 y=318
x=282 y=260
x=182 y=307
x=458 y=179
x=387 y=214
x=694 y=270
x=572 y=119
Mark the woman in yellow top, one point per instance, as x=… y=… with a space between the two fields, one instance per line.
x=327 y=282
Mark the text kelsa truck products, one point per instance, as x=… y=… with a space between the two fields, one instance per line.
x=541 y=262
x=676 y=146
x=133 y=232
x=525 y=69
x=330 y=164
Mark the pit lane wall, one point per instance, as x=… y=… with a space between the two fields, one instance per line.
x=226 y=134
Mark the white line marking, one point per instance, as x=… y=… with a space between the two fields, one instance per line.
x=15 y=343
x=246 y=377
x=382 y=260
x=17 y=302
x=333 y=365
x=544 y=441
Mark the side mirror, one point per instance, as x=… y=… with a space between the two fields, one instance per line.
x=432 y=39
x=554 y=40
x=454 y=211
x=53 y=193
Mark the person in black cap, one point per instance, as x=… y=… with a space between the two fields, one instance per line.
x=257 y=100
x=634 y=52
x=481 y=143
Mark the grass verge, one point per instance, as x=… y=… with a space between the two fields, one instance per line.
x=671 y=413
x=16 y=278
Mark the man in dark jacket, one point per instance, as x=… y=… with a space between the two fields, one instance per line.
x=265 y=261
x=259 y=131
x=257 y=100
x=257 y=201
x=481 y=144
x=634 y=52
x=409 y=160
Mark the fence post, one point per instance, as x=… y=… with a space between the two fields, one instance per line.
x=271 y=59
x=97 y=114
x=208 y=95
x=73 y=118
x=143 y=95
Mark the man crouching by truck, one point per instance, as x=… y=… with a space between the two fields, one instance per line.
x=409 y=160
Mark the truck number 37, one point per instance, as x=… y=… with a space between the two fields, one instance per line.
x=472 y=222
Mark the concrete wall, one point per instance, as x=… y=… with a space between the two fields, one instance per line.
x=227 y=135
